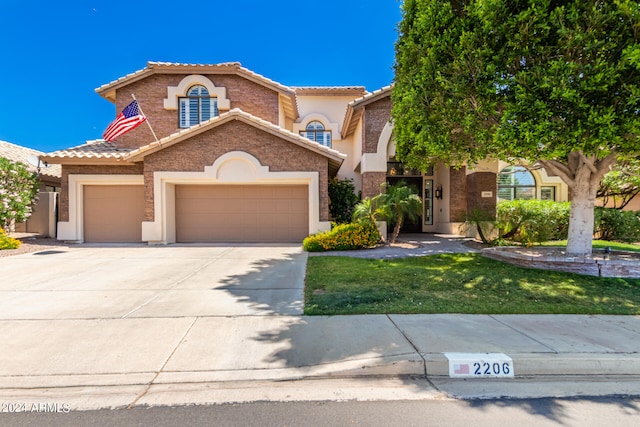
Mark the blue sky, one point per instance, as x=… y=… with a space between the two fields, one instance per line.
x=53 y=54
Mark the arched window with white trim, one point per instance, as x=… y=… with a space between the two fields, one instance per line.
x=516 y=182
x=315 y=131
x=198 y=106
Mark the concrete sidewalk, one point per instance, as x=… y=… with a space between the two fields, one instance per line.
x=142 y=325
x=151 y=361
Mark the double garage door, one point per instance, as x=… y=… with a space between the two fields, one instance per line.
x=204 y=213
x=241 y=213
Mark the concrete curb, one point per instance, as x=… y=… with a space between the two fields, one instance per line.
x=528 y=365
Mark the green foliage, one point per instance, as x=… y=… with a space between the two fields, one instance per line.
x=528 y=79
x=7 y=242
x=343 y=237
x=368 y=211
x=553 y=82
x=342 y=199
x=484 y=223
x=533 y=221
x=537 y=221
x=602 y=244
x=621 y=184
x=18 y=191
x=617 y=225
x=458 y=283
x=397 y=203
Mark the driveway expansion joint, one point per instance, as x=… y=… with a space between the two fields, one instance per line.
x=551 y=349
x=148 y=386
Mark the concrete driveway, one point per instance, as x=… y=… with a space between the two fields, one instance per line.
x=88 y=315
x=136 y=281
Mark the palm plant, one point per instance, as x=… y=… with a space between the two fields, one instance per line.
x=369 y=210
x=398 y=203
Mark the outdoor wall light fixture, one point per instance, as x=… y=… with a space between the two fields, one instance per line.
x=438 y=192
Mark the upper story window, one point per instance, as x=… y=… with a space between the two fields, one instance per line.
x=516 y=182
x=198 y=106
x=315 y=131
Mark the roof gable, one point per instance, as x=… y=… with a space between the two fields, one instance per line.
x=335 y=157
x=286 y=94
x=355 y=109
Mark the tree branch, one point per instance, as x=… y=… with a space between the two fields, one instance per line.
x=604 y=165
x=559 y=169
x=589 y=161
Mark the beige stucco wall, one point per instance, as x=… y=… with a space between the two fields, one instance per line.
x=330 y=110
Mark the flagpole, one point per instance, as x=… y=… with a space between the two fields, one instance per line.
x=147 y=120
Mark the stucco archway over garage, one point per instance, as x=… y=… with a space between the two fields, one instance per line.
x=235 y=200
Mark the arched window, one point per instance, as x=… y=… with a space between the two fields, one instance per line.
x=315 y=132
x=516 y=182
x=197 y=106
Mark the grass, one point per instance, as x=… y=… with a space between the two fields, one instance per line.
x=458 y=283
x=601 y=244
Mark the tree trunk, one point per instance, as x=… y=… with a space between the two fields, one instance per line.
x=583 y=175
x=581 y=219
x=396 y=229
x=585 y=188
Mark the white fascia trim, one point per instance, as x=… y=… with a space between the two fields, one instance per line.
x=377 y=162
x=73 y=230
x=174 y=92
x=236 y=167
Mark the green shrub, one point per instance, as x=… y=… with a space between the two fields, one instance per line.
x=533 y=221
x=343 y=237
x=342 y=199
x=484 y=222
x=7 y=242
x=617 y=225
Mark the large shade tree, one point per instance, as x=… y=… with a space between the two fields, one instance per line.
x=550 y=83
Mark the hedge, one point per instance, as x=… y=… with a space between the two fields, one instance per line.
x=343 y=237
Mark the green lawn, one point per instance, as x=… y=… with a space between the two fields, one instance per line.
x=601 y=244
x=458 y=283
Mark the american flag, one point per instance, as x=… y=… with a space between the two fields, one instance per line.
x=127 y=120
x=462 y=368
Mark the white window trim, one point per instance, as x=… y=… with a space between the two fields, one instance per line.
x=301 y=125
x=180 y=91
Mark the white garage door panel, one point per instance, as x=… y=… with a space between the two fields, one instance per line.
x=113 y=213
x=242 y=213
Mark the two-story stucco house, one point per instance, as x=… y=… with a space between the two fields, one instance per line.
x=241 y=158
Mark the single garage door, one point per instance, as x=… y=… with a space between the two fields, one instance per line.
x=242 y=213
x=113 y=213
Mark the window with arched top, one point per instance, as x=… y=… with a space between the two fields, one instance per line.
x=198 y=106
x=516 y=182
x=315 y=131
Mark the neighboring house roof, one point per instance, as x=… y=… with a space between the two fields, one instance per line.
x=335 y=157
x=17 y=153
x=355 y=108
x=102 y=152
x=287 y=94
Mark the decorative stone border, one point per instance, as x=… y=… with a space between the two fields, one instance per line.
x=616 y=264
